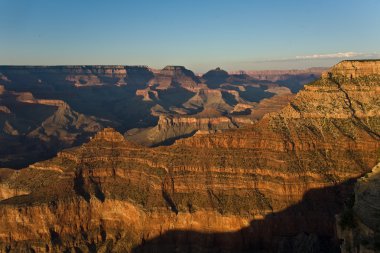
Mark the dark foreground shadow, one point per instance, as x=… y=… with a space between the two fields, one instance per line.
x=306 y=227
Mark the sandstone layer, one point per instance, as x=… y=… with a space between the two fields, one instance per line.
x=273 y=187
x=169 y=129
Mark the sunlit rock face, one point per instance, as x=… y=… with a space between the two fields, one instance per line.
x=174 y=76
x=354 y=69
x=169 y=129
x=273 y=187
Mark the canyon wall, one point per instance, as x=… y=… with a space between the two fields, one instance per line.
x=273 y=187
x=358 y=226
x=169 y=128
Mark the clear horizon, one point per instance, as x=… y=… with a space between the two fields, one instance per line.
x=200 y=35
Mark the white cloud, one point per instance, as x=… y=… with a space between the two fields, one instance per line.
x=335 y=55
x=300 y=62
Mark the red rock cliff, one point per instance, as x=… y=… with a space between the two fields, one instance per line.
x=245 y=189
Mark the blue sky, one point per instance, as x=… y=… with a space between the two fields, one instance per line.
x=200 y=34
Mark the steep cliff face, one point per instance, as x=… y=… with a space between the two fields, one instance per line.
x=358 y=226
x=64 y=125
x=34 y=129
x=214 y=78
x=172 y=76
x=169 y=129
x=354 y=69
x=275 y=186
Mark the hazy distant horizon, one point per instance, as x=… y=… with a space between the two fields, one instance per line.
x=302 y=65
x=160 y=68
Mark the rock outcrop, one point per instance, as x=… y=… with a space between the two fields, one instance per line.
x=174 y=76
x=4 y=109
x=216 y=77
x=354 y=69
x=2 y=89
x=34 y=129
x=169 y=129
x=359 y=224
x=275 y=186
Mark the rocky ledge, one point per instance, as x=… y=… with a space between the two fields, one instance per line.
x=354 y=69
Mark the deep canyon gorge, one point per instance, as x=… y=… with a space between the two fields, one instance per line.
x=169 y=161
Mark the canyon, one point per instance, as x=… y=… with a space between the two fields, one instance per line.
x=272 y=180
x=44 y=109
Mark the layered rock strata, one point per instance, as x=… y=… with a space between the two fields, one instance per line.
x=169 y=129
x=275 y=186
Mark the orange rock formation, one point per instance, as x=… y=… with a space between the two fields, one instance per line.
x=258 y=188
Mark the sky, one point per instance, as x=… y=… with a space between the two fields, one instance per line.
x=199 y=34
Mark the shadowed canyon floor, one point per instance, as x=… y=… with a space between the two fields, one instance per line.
x=273 y=186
